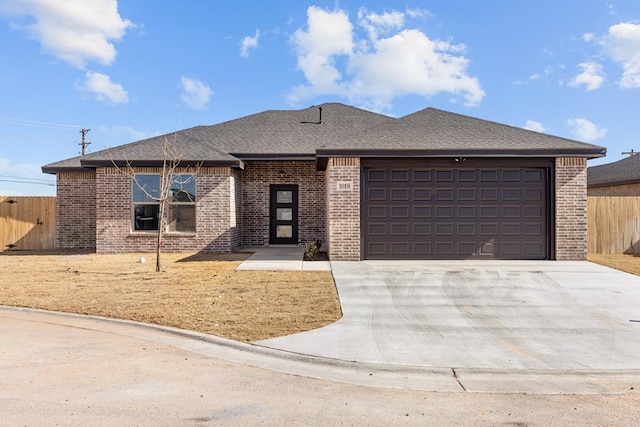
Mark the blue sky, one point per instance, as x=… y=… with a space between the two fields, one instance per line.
x=130 y=69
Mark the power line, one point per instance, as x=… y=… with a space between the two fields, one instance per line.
x=26 y=178
x=27 y=182
x=35 y=123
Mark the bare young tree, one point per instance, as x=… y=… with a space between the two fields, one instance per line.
x=171 y=187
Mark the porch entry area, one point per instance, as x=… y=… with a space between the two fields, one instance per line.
x=283 y=214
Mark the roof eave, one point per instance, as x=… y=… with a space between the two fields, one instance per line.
x=349 y=152
x=158 y=163
x=612 y=183
x=274 y=156
x=57 y=169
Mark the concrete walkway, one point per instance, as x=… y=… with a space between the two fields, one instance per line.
x=280 y=259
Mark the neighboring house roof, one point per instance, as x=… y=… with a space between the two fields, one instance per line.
x=334 y=129
x=625 y=171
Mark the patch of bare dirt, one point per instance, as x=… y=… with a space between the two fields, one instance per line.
x=200 y=292
x=622 y=262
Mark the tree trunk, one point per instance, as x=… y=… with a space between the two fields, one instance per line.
x=159 y=241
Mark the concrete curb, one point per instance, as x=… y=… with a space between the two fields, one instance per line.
x=425 y=378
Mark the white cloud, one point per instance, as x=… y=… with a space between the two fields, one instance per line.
x=534 y=126
x=195 y=94
x=588 y=37
x=375 y=24
x=389 y=62
x=584 y=130
x=248 y=43
x=545 y=73
x=103 y=88
x=329 y=35
x=76 y=31
x=622 y=44
x=592 y=76
x=418 y=13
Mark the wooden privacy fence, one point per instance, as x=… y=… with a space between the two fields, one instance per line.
x=27 y=223
x=613 y=225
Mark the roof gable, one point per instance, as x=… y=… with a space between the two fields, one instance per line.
x=435 y=130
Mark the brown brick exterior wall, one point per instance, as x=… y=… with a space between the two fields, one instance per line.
x=76 y=207
x=571 y=209
x=214 y=230
x=256 y=179
x=343 y=209
x=626 y=190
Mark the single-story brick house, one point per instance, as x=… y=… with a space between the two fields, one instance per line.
x=429 y=185
x=621 y=178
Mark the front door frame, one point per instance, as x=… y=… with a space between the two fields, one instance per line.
x=285 y=221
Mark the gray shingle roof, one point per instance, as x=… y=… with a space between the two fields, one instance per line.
x=625 y=171
x=270 y=133
x=343 y=129
x=436 y=130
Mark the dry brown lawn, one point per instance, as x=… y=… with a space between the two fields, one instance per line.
x=201 y=293
x=622 y=262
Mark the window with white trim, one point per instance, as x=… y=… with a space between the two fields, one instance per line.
x=181 y=203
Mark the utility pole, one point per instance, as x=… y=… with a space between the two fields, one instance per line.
x=84 y=143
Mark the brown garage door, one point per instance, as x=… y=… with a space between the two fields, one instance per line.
x=444 y=213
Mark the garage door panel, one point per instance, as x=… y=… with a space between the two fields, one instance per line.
x=466 y=230
x=399 y=176
x=422 y=212
x=421 y=194
x=511 y=194
x=511 y=176
x=400 y=194
x=444 y=175
x=421 y=229
x=377 y=229
x=377 y=194
x=511 y=229
x=511 y=212
x=488 y=194
x=488 y=176
x=489 y=212
x=445 y=248
x=536 y=230
x=379 y=212
x=534 y=195
x=422 y=249
x=467 y=176
x=400 y=248
x=444 y=229
x=399 y=212
x=534 y=176
x=400 y=230
x=466 y=248
x=422 y=175
x=467 y=212
x=444 y=194
x=466 y=194
x=455 y=213
x=445 y=212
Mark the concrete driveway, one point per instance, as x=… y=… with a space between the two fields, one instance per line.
x=481 y=315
